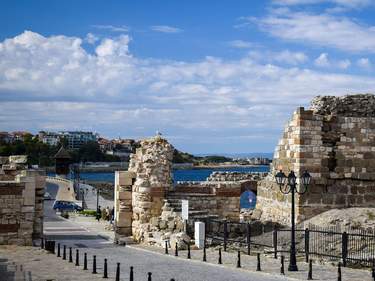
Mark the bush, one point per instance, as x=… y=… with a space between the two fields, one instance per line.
x=88 y=213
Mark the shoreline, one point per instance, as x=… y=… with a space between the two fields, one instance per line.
x=118 y=168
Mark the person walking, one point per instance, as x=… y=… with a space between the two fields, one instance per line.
x=98 y=213
x=112 y=215
x=107 y=214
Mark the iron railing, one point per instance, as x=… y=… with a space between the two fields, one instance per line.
x=353 y=247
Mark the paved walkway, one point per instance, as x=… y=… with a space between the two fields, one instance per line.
x=147 y=258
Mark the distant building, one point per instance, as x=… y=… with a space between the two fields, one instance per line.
x=5 y=137
x=50 y=138
x=76 y=139
x=105 y=144
x=20 y=135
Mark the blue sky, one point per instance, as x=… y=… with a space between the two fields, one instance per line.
x=212 y=76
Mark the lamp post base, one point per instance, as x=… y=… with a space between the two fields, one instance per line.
x=292 y=267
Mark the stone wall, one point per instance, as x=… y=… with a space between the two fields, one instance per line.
x=148 y=205
x=335 y=141
x=235 y=176
x=152 y=168
x=21 y=204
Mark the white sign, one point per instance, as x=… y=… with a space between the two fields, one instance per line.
x=185 y=209
x=199 y=234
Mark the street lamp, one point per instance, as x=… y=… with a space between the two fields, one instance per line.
x=291 y=187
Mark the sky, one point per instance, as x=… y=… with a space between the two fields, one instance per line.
x=212 y=76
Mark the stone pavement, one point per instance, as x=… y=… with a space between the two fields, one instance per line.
x=34 y=264
x=132 y=256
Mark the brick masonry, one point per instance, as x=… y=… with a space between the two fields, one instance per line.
x=335 y=141
x=21 y=204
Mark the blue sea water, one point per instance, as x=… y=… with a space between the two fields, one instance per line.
x=178 y=175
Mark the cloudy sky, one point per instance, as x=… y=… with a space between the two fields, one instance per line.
x=212 y=76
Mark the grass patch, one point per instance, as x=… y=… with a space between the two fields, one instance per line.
x=88 y=213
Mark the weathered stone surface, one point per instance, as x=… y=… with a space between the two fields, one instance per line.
x=334 y=141
x=21 y=206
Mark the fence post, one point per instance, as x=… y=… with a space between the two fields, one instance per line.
x=309 y=275
x=131 y=276
x=344 y=250
x=275 y=242
x=58 y=250
x=188 y=253
x=219 y=260
x=64 y=252
x=248 y=236
x=339 y=278
x=166 y=247
x=282 y=268
x=105 y=271
x=117 y=277
x=225 y=235
x=307 y=244
x=258 y=262
x=85 y=262
x=238 y=259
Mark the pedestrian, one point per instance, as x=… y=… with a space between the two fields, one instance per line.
x=112 y=215
x=107 y=214
x=104 y=214
x=98 y=213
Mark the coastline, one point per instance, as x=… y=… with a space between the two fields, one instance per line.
x=125 y=167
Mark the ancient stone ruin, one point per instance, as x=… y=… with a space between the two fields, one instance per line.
x=148 y=203
x=21 y=201
x=335 y=141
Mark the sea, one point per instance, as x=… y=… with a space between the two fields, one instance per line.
x=200 y=174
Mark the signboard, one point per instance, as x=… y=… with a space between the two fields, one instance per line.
x=185 y=209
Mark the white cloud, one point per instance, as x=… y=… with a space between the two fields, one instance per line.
x=344 y=64
x=166 y=29
x=109 y=47
x=320 y=29
x=322 y=60
x=241 y=44
x=122 y=28
x=289 y=57
x=343 y=3
x=364 y=63
x=91 y=38
x=53 y=83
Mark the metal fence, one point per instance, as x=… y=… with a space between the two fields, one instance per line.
x=352 y=247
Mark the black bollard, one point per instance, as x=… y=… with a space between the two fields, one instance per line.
x=118 y=272
x=166 y=247
x=282 y=268
x=373 y=272
x=77 y=257
x=105 y=271
x=188 y=253
x=172 y=279
x=131 y=278
x=176 y=250
x=58 y=250
x=64 y=252
x=339 y=272
x=42 y=243
x=149 y=276
x=309 y=276
x=85 y=262
x=94 y=265
x=238 y=259
x=70 y=255
x=219 y=261
x=258 y=262
x=204 y=253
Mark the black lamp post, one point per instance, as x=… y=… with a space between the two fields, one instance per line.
x=291 y=187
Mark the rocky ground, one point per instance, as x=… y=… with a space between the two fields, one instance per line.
x=346 y=219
